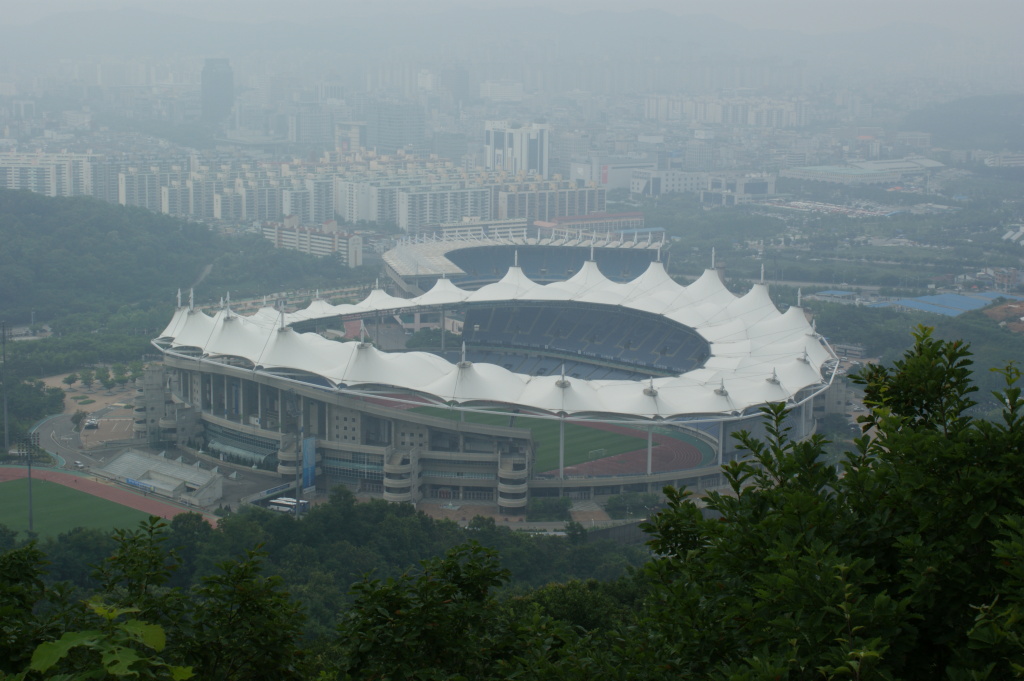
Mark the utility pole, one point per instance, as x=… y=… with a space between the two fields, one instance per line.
x=32 y=442
x=3 y=377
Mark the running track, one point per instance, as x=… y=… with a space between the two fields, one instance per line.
x=108 y=491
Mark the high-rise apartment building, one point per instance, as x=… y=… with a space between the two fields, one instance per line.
x=518 y=149
x=60 y=174
x=218 y=91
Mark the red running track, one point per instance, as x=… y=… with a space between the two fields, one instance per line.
x=667 y=455
x=108 y=491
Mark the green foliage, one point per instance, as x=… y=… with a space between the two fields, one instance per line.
x=125 y=264
x=122 y=647
x=21 y=588
x=87 y=376
x=632 y=505
x=995 y=648
x=876 y=573
x=928 y=388
x=590 y=604
x=540 y=509
x=27 y=402
x=443 y=623
x=236 y=624
x=245 y=627
x=882 y=331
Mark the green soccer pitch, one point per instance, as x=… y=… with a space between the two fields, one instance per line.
x=57 y=509
x=580 y=440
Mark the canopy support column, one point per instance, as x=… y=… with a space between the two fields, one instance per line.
x=561 y=447
x=721 y=442
x=650 y=447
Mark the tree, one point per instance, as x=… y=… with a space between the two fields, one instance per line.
x=87 y=377
x=442 y=623
x=28 y=401
x=120 y=646
x=244 y=626
x=548 y=508
x=78 y=417
x=21 y=589
x=120 y=374
x=188 y=537
x=70 y=379
x=800 y=572
x=103 y=376
x=236 y=624
x=135 y=369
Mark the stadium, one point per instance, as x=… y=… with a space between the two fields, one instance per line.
x=583 y=387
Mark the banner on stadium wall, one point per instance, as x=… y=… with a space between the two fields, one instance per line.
x=309 y=462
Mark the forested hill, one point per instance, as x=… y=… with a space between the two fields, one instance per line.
x=63 y=256
x=980 y=122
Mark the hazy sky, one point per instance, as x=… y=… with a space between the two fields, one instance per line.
x=815 y=16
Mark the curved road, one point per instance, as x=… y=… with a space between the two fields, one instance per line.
x=57 y=435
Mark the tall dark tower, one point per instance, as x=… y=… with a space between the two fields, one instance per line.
x=218 y=91
x=392 y=125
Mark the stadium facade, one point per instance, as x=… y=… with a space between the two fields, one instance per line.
x=663 y=362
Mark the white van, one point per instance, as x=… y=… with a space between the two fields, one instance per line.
x=79 y=464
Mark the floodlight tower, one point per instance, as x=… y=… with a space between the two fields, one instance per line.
x=293 y=406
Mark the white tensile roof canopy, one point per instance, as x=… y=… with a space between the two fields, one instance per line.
x=758 y=355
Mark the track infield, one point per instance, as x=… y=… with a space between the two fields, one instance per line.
x=63 y=501
x=595 y=449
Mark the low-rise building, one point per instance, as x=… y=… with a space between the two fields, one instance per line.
x=327 y=241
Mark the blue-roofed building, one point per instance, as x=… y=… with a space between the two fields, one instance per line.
x=950 y=304
x=834 y=296
x=995 y=295
x=921 y=306
x=955 y=301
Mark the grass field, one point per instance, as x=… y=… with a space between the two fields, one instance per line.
x=580 y=441
x=57 y=509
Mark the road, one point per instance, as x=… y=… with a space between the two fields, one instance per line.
x=57 y=434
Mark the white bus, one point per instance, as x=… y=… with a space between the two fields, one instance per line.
x=287 y=504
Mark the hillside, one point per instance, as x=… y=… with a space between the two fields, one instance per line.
x=74 y=256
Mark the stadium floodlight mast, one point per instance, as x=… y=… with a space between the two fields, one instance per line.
x=31 y=443
x=293 y=407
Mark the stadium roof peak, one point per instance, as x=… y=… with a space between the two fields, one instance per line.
x=421 y=257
